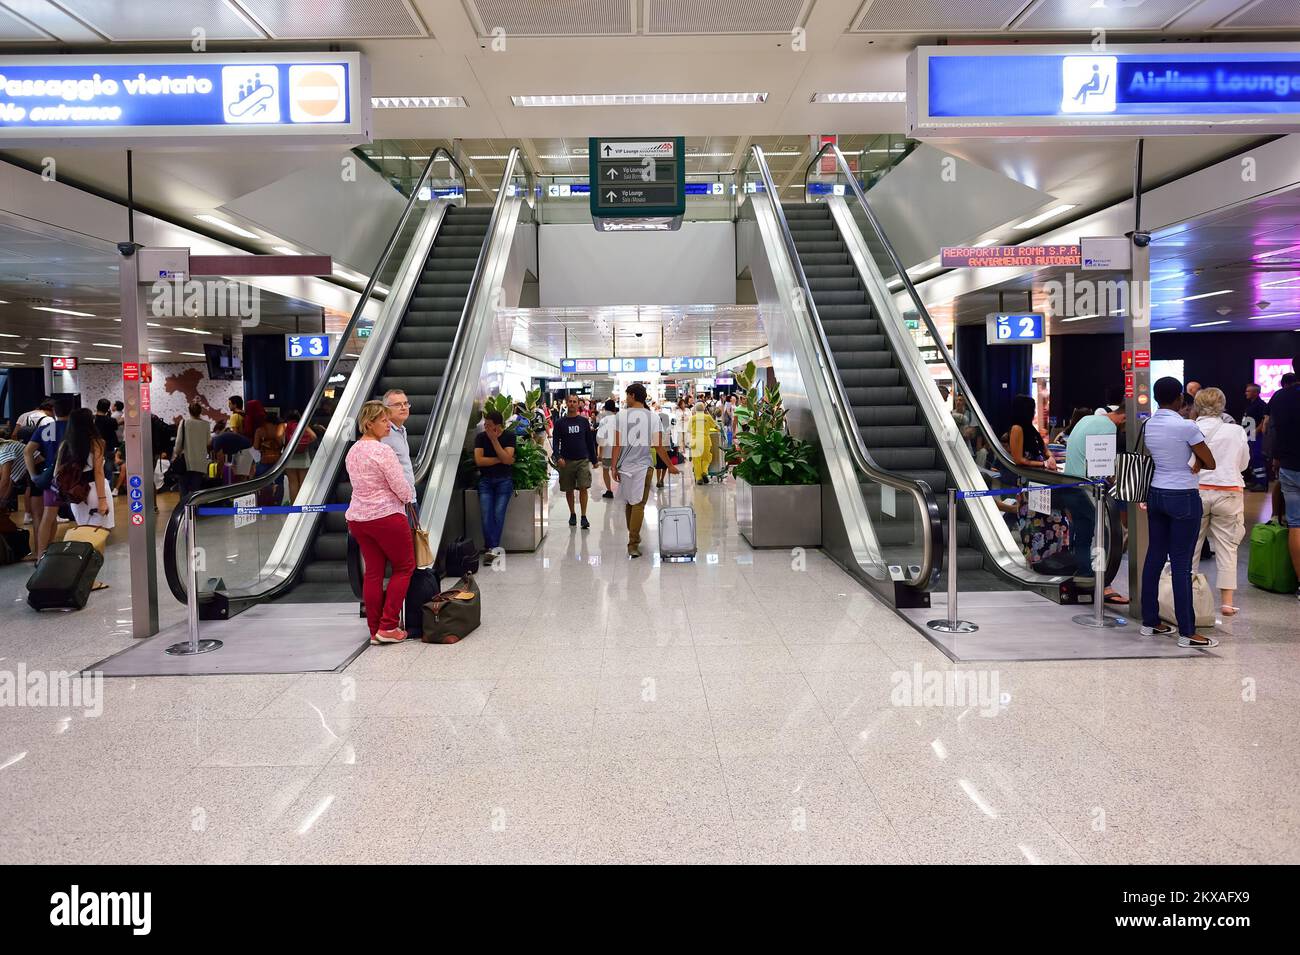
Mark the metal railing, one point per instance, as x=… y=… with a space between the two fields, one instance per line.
x=277 y=470
x=1004 y=460
x=919 y=490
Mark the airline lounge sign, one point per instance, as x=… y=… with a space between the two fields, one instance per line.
x=1072 y=91
x=162 y=99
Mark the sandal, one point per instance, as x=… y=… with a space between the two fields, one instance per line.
x=1115 y=600
x=1228 y=610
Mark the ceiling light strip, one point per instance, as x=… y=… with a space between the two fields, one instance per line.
x=639 y=99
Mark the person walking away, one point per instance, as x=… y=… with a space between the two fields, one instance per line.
x=193 y=436
x=27 y=425
x=106 y=426
x=399 y=409
x=377 y=519
x=268 y=442
x=1173 y=512
x=637 y=437
x=40 y=455
x=1284 y=432
x=605 y=442
x=575 y=452
x=494 y=453
x=84 y=451
x=1222 y=492
x=666 y=429
x=1254 y=419
x=1079 y=501
x=702 y=426
x=728 y=420
x=299 y=437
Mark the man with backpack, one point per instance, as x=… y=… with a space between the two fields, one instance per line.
x=40 y=456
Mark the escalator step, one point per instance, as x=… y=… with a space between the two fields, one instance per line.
x=812 y=248
x=425 y=384
x=832 y=297
x=325 y=572
x=835 y=283
x=857 y=312
x=812 y=259
x=873 y=416
x=863 y=363
x=858 y=397
x=331 y=545
x=462 y=227
x=902 y=459
x=849 y=326
x=431 y=304
x=415 y=367
x=893 y=436
x=855 y=343
x=838 y=270
x=846 y=360
x=460 y=241
x=423 y=350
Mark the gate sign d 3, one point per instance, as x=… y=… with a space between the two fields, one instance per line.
x=637 y=181
x=1075 y=90
x=1025 y=328
x=307 y=347
x=161 y=99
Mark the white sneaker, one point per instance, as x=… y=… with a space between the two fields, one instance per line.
x=1159 y=630
x=1198 y=642
x=27 y=520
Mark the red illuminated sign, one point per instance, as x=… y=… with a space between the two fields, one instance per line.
x=1142 y=358
x=130 y=371
x=1008 y=256
x=63 y=364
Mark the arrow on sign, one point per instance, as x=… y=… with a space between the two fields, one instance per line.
x=613 y=174
x=611 y=195
x=608 y=149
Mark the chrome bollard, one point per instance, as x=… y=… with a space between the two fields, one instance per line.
x=952 y=624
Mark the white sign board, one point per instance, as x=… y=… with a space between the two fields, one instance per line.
x=1040 y=499
x=638 y=149
x=1100 y=452
x=249 y=500
x=1105 y=252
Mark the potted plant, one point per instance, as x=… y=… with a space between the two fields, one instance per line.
x=526 y=518
x=778 y=486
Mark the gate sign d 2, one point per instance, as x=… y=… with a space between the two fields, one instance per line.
x=1020 y=329
x=637 y=182
x=307 y=347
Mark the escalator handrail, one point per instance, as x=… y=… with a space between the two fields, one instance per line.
x=958 y=379
x=433 y=434
x=932 y=539
x=228 y=492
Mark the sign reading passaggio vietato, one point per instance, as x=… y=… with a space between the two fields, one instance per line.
x=220 y=97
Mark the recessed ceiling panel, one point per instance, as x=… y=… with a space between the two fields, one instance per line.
x=1083 y=15
x=724 y=16
x=1265 y=15
x=334 y=19
x=53 y=20
x=15 y=28
x=937 y=16
x=162 y=20
x=555 y=17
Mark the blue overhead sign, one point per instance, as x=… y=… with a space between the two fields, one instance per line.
x=164 y=98
x=1024 y=328
x=1073 y=90
x=307 y=347
x=668 y=365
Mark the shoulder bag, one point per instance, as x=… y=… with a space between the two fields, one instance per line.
x=1134 y=471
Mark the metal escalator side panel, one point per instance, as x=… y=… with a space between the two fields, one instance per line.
x=508 y=254
x=294 y=541
x=995 y=536
x=806 y=388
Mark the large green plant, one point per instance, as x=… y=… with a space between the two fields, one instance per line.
x=764 y=451
x=529 y=470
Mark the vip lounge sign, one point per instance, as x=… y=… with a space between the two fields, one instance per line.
x=160 y=99
x=1073 y=90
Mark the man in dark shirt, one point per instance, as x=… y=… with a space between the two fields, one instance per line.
x=106 y=427
x=575 y=453
x=1253 y=418
x=494 y=454
x=1284 y=428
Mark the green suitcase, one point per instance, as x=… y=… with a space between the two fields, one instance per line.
x=1270 y=560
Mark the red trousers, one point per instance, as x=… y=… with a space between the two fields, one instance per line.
x=385 y=541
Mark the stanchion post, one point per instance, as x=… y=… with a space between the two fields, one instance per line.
x=1098 y=619
x=194 y=645
x=952 y=624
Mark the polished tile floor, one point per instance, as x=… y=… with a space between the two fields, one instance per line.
x=749 y=707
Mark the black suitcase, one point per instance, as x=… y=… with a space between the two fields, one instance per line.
x=64 y=576
x=14 y=546
x=425 y=585
x=459 y=558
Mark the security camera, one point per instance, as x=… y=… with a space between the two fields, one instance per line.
x=639 y=334
x=128 y=248
x=1262 y=304
x=1141 y=239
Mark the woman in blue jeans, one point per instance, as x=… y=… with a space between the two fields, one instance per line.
x=1173 y=512
x=494 y=453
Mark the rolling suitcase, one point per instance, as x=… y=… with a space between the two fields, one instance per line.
x=677 y=528
x=1270 y=561
x=63 y=576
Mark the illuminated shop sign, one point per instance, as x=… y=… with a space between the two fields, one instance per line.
x=163 y=98
x=1073 y=90
x=575 y=366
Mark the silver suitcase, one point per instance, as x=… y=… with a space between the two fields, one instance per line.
x=677 y=528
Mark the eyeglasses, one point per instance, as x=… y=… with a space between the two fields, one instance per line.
x=398 y=404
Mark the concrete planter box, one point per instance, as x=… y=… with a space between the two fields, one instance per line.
x=779 y=515
x=526 y=520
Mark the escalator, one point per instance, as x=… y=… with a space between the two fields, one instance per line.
x=435 y=334
x=415 y=364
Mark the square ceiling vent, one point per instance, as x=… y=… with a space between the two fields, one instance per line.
x=1265 y=15
x=162 y=20
x=937 y=16
x=335 y=19
x=1082 y=16
x=554 y=17
x=724 y=16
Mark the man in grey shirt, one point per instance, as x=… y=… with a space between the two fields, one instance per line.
x=399 y=409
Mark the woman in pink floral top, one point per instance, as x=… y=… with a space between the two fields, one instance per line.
x=377 y=518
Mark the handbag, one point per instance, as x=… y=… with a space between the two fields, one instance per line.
x=1134 y=472
x=70 y=483
x=453 y=614
x=1202 y=599
x=423 y=552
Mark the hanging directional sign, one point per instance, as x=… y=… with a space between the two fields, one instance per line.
x=637 y=182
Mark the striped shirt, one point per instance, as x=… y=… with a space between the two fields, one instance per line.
x=11 y=453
